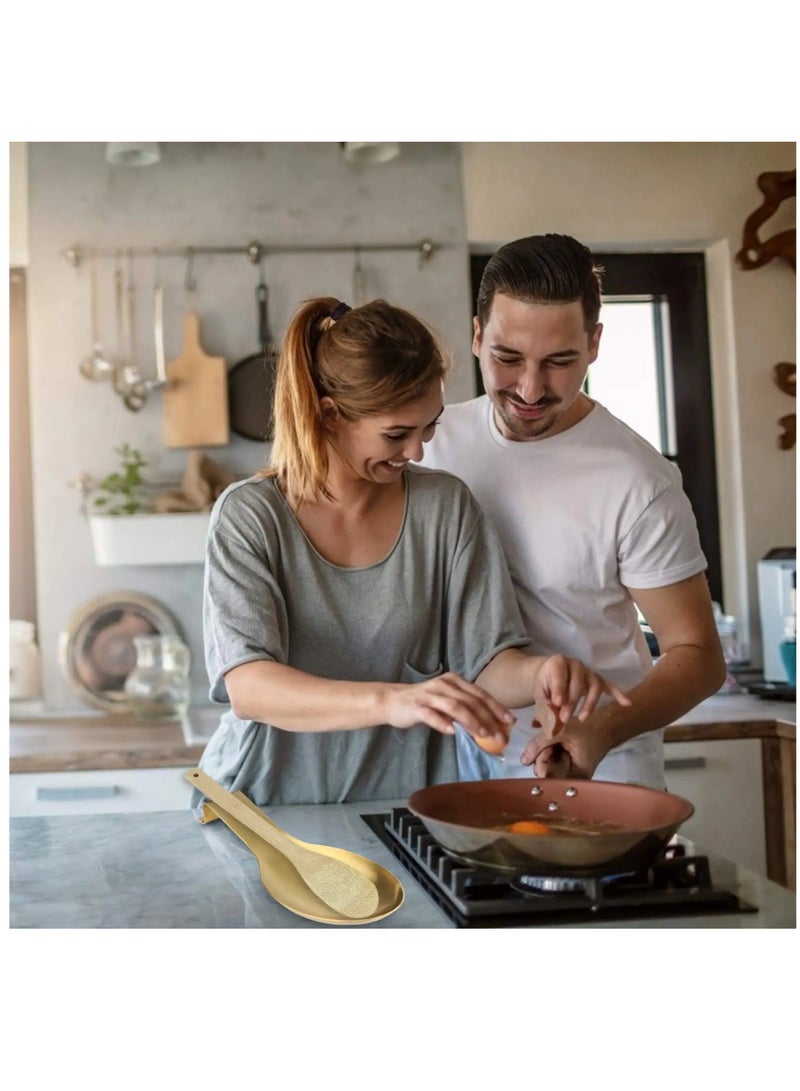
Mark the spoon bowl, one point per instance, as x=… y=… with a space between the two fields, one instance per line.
x=96 y=367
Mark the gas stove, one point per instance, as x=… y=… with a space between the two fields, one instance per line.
x=673 y=885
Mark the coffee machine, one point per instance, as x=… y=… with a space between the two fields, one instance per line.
x=777 y=575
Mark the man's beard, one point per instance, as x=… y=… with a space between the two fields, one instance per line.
x=524 y=429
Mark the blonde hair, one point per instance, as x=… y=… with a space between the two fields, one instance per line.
x=370 y=360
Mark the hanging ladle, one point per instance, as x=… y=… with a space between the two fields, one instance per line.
x=333 y=879
x=127 y=373
x=95 y=367
x=139 y=392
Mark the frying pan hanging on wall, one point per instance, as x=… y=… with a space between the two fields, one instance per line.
x=251 y=381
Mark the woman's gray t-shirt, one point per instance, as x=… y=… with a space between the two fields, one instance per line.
x=441 y=600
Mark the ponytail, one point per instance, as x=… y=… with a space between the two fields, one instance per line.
x=299 y=451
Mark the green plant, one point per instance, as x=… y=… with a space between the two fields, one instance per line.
x=120 y=492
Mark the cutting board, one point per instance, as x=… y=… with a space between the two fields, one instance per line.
x=196 y=399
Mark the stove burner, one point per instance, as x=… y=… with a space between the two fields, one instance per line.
x=548 y=884
x=673 y=885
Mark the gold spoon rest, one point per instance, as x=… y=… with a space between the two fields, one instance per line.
x=281 y=878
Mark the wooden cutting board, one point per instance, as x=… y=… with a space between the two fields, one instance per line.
x=196 y=401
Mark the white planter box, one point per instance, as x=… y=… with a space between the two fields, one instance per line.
x=173 y=538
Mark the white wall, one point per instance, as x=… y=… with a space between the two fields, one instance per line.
x=640 y=196
x=212 y=194
x=18 y=204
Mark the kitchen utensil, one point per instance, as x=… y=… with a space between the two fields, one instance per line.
x=281 y=880
x=139 y=392
x=334 y=881
x=96 y=649
x=640 y=821
x=251 y=381
x=129 y=382
x=97 y=366
x=195 y=394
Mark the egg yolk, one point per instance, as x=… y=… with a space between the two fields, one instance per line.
x=529 y=826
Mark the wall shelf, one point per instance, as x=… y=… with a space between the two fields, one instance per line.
x=150 y=538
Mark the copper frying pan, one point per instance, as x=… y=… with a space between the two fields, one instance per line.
x=460 y=816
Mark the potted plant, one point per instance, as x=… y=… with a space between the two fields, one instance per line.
x=127 y=531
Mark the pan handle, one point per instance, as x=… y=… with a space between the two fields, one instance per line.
x=560 y=763
x=263 y=323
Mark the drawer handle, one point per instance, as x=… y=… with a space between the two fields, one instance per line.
x=684 y=763
x=88 y=792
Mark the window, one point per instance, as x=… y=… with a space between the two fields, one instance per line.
x=654 y=371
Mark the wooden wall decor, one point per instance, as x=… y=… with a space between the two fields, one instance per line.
x=785 y=377
x=777 y=186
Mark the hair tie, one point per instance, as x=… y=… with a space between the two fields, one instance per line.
x=338 y=311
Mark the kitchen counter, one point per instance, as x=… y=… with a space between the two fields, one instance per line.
x=74 y=742
x=166 y=870
x=52 y=743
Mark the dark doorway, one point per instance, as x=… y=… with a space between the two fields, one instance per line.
x=678 y=280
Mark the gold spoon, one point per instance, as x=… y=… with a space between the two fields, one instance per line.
x=334 y=880
x=283 y=883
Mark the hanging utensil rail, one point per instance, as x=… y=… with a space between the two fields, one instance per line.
x=255 y=251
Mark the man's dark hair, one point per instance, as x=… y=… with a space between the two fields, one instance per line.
x=543 y=269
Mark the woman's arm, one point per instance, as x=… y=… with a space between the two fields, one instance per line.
x=274 y=693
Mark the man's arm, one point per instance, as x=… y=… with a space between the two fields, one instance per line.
x=691 y=668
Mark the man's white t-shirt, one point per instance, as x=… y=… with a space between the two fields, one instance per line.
x=582 y=516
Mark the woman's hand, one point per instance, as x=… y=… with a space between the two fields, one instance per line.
x=445 y=700
x=564 y=684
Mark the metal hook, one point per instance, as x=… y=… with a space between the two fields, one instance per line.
x=255 y=251
x=189 y=281
x=426 y=249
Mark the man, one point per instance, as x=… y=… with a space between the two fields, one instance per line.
x=593 y=520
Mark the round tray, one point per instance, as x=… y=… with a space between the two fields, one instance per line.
x=96 y=650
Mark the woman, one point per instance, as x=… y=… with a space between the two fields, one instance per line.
x=358 y=606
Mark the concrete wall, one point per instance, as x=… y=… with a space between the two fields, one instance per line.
x=212 y=194
x=666 y=196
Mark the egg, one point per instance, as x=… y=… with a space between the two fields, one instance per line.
x=490 y=745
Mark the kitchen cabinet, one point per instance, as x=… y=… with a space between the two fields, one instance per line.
x=723 y=779
x=98 y=791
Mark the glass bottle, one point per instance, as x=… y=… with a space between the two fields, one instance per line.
x=24 y=661
x=158 y=686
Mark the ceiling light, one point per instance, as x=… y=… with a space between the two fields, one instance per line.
x=132 y=155
x=366 y=152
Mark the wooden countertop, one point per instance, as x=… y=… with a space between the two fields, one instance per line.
x=42 y=744
x=87 y=742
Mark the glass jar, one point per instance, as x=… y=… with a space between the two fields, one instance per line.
x=24 y=661
x=728 y=630
x=158 y=685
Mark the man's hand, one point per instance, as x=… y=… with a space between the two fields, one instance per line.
x=582 y=748
x=565 y=684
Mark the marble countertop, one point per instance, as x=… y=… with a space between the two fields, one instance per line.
x=41 y=743
x=166 y=870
